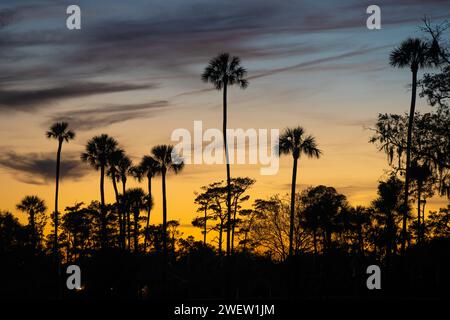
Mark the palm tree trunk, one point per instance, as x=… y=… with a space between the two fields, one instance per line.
x=119 y=211
x=227 y=159
x=148 y=212
x=164 y=213
x=128 y=222
x=58 y=163
x=33 y=231
x=408 y=156
x=291 y=222
x=103 y=208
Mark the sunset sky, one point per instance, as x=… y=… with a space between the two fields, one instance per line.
x=133 y=72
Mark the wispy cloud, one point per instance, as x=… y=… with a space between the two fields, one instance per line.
x=31 y=99
x=39 y=168
x=94 y=118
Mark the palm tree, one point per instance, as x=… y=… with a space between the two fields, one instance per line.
x=113 y=163
x=137 y=201
x=162 y=154
x=34 y=207
x=223 y=71
x=59 y=131
x=420 y=173
x=148 y=167
x=414 y=54
x=294 y=141
x=98 y=152
x=124 y=169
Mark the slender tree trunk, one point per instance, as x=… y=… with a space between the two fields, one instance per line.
x=233 y=225
x=128 y=220
x=164 y=269
x=291 y=222
x=205 y=226
x=227 y=159
x=119 y=213
x=149 y=180
x=423 y=220
x=33 y=232
x=220 y=238
x=408 y=156
x=103 y=208
x=58 y=164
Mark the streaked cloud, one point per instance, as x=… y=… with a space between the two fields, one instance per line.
x=32 y=99
x=94 y=118
x=39 y=168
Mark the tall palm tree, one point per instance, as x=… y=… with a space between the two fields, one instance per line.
x=137 y=201
x=113 y=163
x=148 y=167
x=162 y=154
x=59 y=131
x=223 y=71
x=34 y=207
x=124 y=169
x=98 y=152
x=294 y=141
x=414 y=54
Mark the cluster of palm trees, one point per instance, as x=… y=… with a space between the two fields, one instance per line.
x=104 y=154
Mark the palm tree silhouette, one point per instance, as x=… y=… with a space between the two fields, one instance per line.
x=59 y=131
x=420 y=173
x=137 y=201
x=33 y=206
x=148 y=167
x=294 y=141
x=223 y=71
x=415 y=54
x=98 y=152
x=113 y=163
x=162 y=154
x=124 y=169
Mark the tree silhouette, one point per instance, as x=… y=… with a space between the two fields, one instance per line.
x=137 y=201
x=239 y=187
x=148 y=167
x=294 y=141
x=324 y=206
x=223 y=71
x=388 y=209
x=59 y=131
x=99 y=150
x=204 y=202
x=114 y=161
x=167 y=161
x=12 y=233
x=414 y=54
x=35 y=208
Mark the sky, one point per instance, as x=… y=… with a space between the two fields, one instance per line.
x=133 y=72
